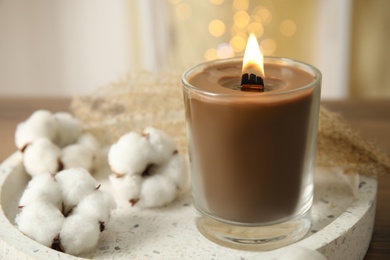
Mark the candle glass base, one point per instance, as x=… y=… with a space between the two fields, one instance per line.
x=254 y=238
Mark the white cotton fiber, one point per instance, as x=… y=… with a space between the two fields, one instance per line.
x=97 y=205
x=40 y=124
x=79 y=234
x=75 y=184
x=148 y=169
x=69 y=129
x=130 y=154
x=77 y=155
x=42 y=188
x=89 y=141
x=99 y=155
x=157 y=191
x=40 y=221
x=176 y=170
x=163 y=145
x=127 y=187
x=41 y=156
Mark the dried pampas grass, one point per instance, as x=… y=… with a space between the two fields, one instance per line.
x=340 y=146
x=140 y=100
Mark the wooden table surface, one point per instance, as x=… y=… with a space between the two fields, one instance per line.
x=369 y=117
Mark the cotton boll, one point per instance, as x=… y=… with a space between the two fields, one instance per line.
x=97 y=205
x=127 y=187
x=157 y=191
x=41 y=156
x=163 y=145
x=79 y=234
x=148 y=170
x=130 y=154
x=75 y=184
x=42 y=188
x=77 y=155
x=40 y=221
x=69 y=129
x=40 y=124
x=176 y=170
x=89 y=141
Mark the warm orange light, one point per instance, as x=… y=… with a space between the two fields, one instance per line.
x=253 y=58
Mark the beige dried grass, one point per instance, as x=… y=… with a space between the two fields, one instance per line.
x=144 y=99
x=140 y=100
x=340 y=146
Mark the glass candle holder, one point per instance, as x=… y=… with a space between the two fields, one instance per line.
x=252 y=154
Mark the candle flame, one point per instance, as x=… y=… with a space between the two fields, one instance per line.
x=253 y=58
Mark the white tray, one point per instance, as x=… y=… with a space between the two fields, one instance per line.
x=342 y=225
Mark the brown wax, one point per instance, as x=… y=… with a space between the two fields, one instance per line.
x=248 y=149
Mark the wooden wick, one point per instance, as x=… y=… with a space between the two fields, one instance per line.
x=252 y=83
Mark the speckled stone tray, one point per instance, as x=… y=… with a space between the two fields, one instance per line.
x=343 y=220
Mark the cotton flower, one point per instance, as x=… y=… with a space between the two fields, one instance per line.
x=163 y=145
x=127 y=187
x=97 y=205
x=41 y=156
x=75 y=184
x=165 y=182
x=147 y=169
x=77 y=155
x=68 y=129
x=66 y=211
x=176 y=170
x=40 y=124
x=64 y=131
x=89 y=141
x=130 y=154
x=157 y=191
x=44 y=189
x=79 y=234
x=40 y=221
x=99 y=155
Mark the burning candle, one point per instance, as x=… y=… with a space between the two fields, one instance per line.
x=252 y=126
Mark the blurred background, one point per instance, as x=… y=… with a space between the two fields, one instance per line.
x=73 y=47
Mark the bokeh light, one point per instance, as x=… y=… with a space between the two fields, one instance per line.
x=224 y=51
x=262 y=15
x=268 y=46
x=216 y=28
x=240 y=5
x=256 y=28
x=237 y=30
x=241 y=19
x=247 y=17
x=238 y=43
x=210 y=54
x=288 y=28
